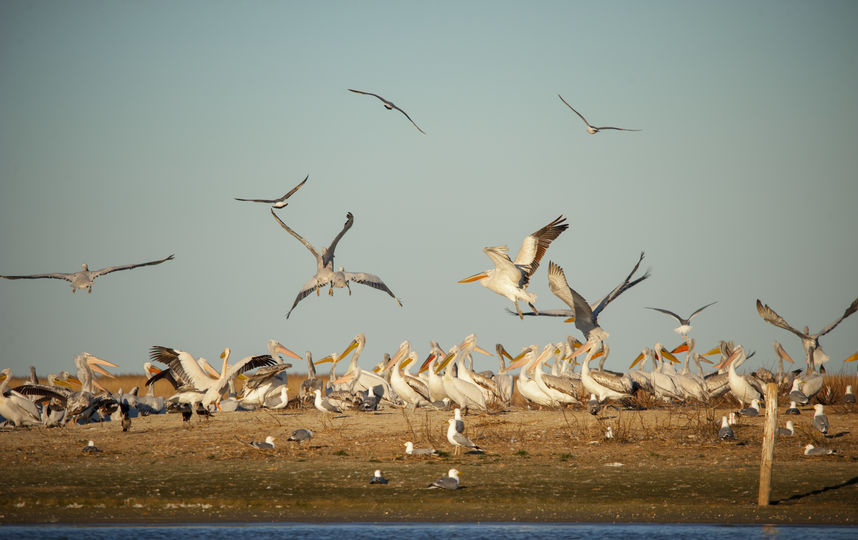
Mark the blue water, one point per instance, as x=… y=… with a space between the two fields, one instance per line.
x=430 y=531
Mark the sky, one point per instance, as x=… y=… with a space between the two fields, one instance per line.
x=128 y=128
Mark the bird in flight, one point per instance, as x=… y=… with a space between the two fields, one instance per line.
x=84 y=278
x=684 y=324
x=389 y=105
x=281 y=202
x=591 y=129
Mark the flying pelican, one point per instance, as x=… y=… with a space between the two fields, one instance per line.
x=389 y=106
x=267 y=445
x=591 y=129
x=325 y=274
x=411 y=451
x=510 y=278
x=808 y=340
x=84 y=278
x=684 y=324
x=451 y=481
x=820 y=420
x=377 y=478
x=281 y=202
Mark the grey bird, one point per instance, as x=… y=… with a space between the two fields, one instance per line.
x=753 y=410
x=411 y=451
x=90 y=448
x=451 y=481
x=787 y=431
x=684 y=324
x=593 y=405
x=84 y=278
x=820 y=420
x=591 y=129
x=726 y=432
x=458 y=440
x=389 y=105
x=848 y=397
x=267 y=445
x=792 y=409
x=300 y=435
x=377 y=478
x=810 y=450
x=279 y=202
x=796 y=395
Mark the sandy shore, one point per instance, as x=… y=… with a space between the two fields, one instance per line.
x=665 y=464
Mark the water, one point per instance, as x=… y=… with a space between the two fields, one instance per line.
x=430 y=531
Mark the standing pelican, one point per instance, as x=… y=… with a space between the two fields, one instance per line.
x=84 y=278
x=13 y=407
x=281 y=202
x=684 y=324
x=743 y=387
x=389 y=106
x=510 y=278
x=591 y=129
x=325 y=268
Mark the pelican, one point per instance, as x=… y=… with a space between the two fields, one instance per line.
x=559 y=389
x=411 y=389
x=808 y=340
x=483 y=381
x=84 y=278
x=684 y=324
x=604 y=384
x=664 y=385
x=586 y=316
x=12 y=407
x=451 y=481
x=504 y=381
x=377 y=478
x=743 y=387
x=787 y=431
x=820 y=420
x=325 y=274
x=411 y=451
x=311 y=383
x=810 y=450
x=464 y=393
x=281 y=202
x=434 y=381
x=389 y=106
x=84 y=403
x=726 y=432
x=510 y=278
x=527 y=385
x=265 y=383
x=591 y=129
x=267 y=445
x=363 y=380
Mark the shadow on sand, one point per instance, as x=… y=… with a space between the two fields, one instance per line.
x=850 y=482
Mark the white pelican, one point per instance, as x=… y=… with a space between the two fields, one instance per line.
x=265 y=383
x=451 y=481
x=561 y=390
x=504 y=381
x=810 y=450
x=743 y=387
x=486 y=384
x=664 y=386
x=726 y=432
x=526 y=384
x=809 y=341
x=363 y=380
x=84 y=278
x=411 y=451
x=464 y=393
x=281 y=202
x=787 y=431
x=820 y=420
x=510 y=278
x=325 y=274
x=389 y=106
x=323 y=404
x=591 y=129
x=684 y=323
x=12 y=407
x=267 y=445
x=411 y=389
x=377 y=478
x=434 y=381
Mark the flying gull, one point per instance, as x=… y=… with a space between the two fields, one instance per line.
x=389 y=105
x=591 y=129
x=684 y=324
x=281 y=202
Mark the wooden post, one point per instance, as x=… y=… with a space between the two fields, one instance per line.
x=768 y=443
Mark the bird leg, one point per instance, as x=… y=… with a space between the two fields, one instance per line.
x=518 y=309
x=331 y=289
x=535 y=311
x=349 y=288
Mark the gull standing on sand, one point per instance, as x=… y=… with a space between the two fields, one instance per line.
x=458 y=440
x=281 y=202
x=451 y=481
x=591 y=129
x=510 y=278
x=323 y=404
x=848 y=397
x=325 y=274
x=84 y=278
x=389 y=105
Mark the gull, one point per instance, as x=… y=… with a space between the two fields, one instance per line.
x=787 y=431
x=848 y=397
x=796 y=395
x=820 y=420
x=726 y=432
x=591 y=129
x=281 y=202
x=389 y=106
x=810 y=450
x=451 y=481
x=510 y=278
x=792 y=409
x=609 y=434
x=267 y=445
x=90 y=448
x=411 y=451
x=377 y=478
x=593 y=405
x=753 y=410
x=460 y=424
x=325 y=274
x=323 y=404
x=301 y=435
x=84 y=278
x=684 y=324
x=457 y=439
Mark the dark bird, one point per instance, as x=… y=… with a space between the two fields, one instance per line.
x=90 y=448
x=591 y=129
x=593 y=405
x=378 y=478
x=726 y=432
x=389 y=106
x=281 y=202
x=792 y=409
x=84 y=278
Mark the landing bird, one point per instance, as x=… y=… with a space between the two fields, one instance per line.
x=389 y=106
x=811 y=450
x=820 y=420
x=510 y=278
x=281 y=202
x=84 y=278
x=787 y=431
x=451 y=481
x=684 y=324
x=726 y=432
x=90 y=448
x=458 y=440
x=591 y=129
x=267 y=445
x=411 y=451
x=792 y=409
x=301 y=435
x=377 y=478
x=325 y=274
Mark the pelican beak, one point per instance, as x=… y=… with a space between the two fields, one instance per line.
x=481 y=350
x=680 y=348
x=345 y=378
x=704 y=359
x=667 y=354
x=74 y=380
x=2 y=376
x=100 y=370
x=241 y=377
x=600 y=353
x=475 y=277
x=852 y=358
x=153 y=370
x=716 y=350
x=281 y=349
x=503 y=352
x=60 y=382
x=638 y=358
x=570 y=319
x=96 y=360
x=518 y=361
x=350 y=348
x=445 y=362
x=323 y=360
x=426 y=363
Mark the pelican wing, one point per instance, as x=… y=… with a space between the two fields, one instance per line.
x=265 y=374
x=110 y=269
x=183 y=365
x=616 y=382
x=585 y=320
x=283 y=198
x=853 y=307
x=306 y=289
x=504 y=265
x=535 y=245
x=56 y=275
x=328 y=259
x=770 y=316
x=373 y=281
x=300 y=239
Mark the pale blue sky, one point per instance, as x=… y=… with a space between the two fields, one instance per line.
x=126 y=129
